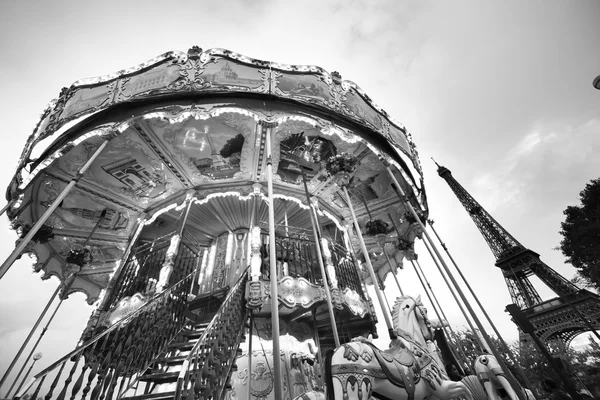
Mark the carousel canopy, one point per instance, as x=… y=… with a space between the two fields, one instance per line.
x=198 y=122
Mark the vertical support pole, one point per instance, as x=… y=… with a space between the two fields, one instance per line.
x=392 y=271
x=7 y=206
x=506 y=348
x=439 y=310
x=402 y=195
x=167 y=268
x=380 y=238
x=381 y=286
x=249 y=395
x=39 y=338
x=387 y=318
x=436 y=306
x=318 y=243
x=482 y=345
x=273 y=260
x=106 y=299
x=28 y=371
x=35 y=326
x=23 y=243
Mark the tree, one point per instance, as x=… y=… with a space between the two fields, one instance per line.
x=581 y=233
x=233 y=145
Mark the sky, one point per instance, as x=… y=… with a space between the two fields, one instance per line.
x=499 y=92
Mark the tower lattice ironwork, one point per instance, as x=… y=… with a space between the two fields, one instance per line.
x=557 y=318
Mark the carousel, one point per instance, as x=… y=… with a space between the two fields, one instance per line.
x=225 y=216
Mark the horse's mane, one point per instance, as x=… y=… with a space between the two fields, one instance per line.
x=396 y=309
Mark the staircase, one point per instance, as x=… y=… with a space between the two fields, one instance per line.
x=160 y=381
x=167 y=348
x=200 y=359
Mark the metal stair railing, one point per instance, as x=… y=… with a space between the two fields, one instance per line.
x=347 y=271
x=119 y=354
x=208 y=366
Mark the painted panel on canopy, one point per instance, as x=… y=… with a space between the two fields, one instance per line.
x=361 y=109
x=86 y=99
x=310 y=87
x=79 y=210
x=128 y=167
x=216 y=148
x=148 y=82
x=230 y=74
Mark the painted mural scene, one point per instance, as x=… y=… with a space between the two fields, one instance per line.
x=242 y=228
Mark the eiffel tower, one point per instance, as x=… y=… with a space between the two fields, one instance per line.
x=559 y=318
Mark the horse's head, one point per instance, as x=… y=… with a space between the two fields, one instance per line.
x=411 y=316
x=492 y=376
x=488 y=363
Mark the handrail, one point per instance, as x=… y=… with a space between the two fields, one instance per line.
x=122 y=322
x=191 y=360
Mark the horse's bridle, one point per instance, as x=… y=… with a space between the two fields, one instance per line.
x=425 y=319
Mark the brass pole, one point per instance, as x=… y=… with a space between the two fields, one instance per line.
x=105 y=300
x=35 y=326
x=36 y=357
x=458 y=302
x=318 y=243
x=38 y=339
x=438 y=309
x=250 y=356
x=506 y=348
x=273 y=261
x=392 y=271
x=402 y=195
x=387 y=302
x=387 y=318
x=7 y=206
x=25 y=241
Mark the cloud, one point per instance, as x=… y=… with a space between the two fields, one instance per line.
x=553 y=159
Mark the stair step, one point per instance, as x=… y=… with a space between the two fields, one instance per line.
x=204 y=319
x=182 y=346
x=171 y=360
x=152 y=396
x=161 y=377
x=194 y=333
x=190 y=315
x=204 y=299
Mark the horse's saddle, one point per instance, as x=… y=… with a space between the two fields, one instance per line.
x=399 y=365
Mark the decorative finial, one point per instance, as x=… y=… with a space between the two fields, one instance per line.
x=336 y=77
x=194 y=52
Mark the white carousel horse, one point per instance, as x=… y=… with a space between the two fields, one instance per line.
x=410 y=316
x=492 y=378
x=406 y=371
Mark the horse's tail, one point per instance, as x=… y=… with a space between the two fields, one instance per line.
x=328 y=378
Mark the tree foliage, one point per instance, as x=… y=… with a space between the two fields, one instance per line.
x=583 y=366
x=581 y=233
x=233 y=145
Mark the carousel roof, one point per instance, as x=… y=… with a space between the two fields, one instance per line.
x=198 y=122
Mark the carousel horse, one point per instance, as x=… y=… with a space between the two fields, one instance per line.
x=418 y=326
x=406 y=371
x=492 y=377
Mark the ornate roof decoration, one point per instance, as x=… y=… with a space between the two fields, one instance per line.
x=217 y=71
